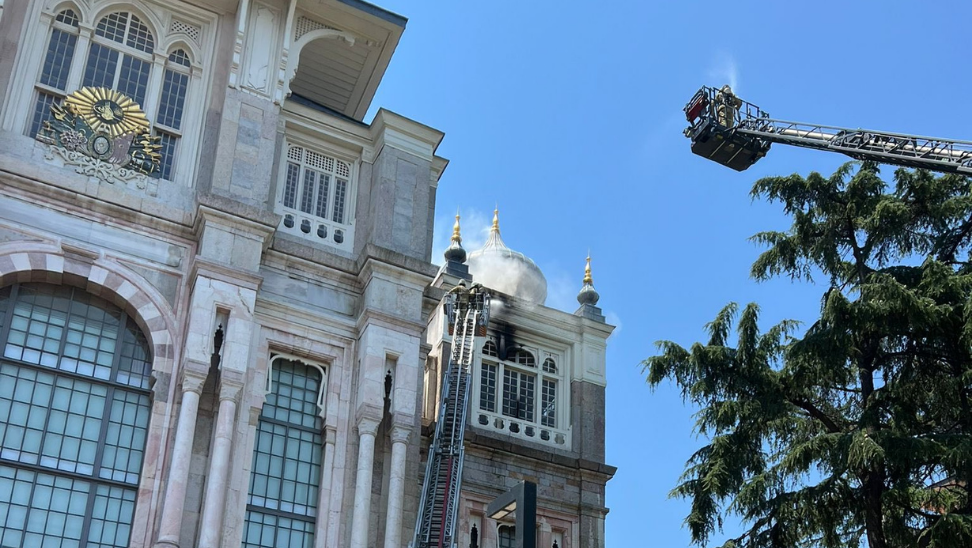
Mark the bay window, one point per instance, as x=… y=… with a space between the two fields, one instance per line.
x=508 y=397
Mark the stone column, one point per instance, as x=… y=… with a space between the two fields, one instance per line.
x=396 y=488
x=362 y=487
x=211 y=522
x=193 y=377
x=324 y=500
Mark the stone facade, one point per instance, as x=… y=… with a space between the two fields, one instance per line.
x=213 y=252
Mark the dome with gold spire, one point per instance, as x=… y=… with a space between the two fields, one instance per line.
x=499 y=267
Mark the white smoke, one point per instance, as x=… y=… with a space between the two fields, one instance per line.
x=724 y=70
x=507 y=275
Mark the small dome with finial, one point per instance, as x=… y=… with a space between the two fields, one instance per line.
x=588 y=295
x=503 y=269
x=455 y=252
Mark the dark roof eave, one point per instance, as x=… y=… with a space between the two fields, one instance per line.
x=376 y=11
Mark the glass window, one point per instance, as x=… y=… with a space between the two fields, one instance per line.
x=513 y=383
x=120 y=57
x=487 y=387
x=124 y=38
x=282 y=503
x=74 y=414
x=172 y=103
x=316 y=188
x=507 y=536
x=54 y=73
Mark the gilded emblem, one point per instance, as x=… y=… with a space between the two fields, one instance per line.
x=105 y=125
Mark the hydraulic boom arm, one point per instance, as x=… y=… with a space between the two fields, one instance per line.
x=736 y=133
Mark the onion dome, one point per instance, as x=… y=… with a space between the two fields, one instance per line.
x=588 y=295
x=455 y=252
x=499 y=267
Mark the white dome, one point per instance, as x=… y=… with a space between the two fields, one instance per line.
x=499 y=267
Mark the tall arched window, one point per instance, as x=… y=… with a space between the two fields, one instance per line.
x=282 y=504
x=168 y=123
x=121 y=56
x=52 y=84
x=507 y=536
x=74 y=416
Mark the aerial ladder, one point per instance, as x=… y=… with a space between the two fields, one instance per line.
x=736 y=133
x=435 y=527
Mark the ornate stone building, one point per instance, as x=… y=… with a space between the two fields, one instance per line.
x=219 y=322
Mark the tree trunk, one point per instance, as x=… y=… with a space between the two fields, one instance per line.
x=873 y=514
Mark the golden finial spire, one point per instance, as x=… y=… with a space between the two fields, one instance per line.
x=495 y=221
x=456 y=238
x=587 y=271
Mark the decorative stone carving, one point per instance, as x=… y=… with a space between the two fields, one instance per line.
x=104 y=171
x=104 y=134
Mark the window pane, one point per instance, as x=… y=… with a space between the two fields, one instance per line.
x=307 y=192
x=340 y=196
x=507 y=536
x=527 y=396
x=134 y=78
x=548 y=404
x=286 y=466
x=290 y=186
x=139 y=36
x=134 y=365
x=173 y=99
x=111 y=518
x=99 y=70
x=487 y=388
x=270 y=531
x=169 y=144
x=40 y=509
x=68 y=17
x=42 y=112
x=63 y=426
x=180 y=57
x=511 y=404
x=322 y=190
x=112 y=26
x=57 y=63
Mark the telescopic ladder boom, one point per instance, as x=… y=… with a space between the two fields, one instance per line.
x=435 y=525
x=736 y=133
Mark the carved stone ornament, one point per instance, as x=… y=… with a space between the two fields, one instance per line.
x=104 y=134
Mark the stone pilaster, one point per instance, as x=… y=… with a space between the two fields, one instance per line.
x=367 y=427
x=193 y=378
x=211 y=527
x=396 y=487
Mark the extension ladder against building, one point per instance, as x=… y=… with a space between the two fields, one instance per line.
x=436 y=522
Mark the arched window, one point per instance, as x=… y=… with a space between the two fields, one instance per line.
x=507 y=536
x=489 y=349
x=74 y=416
x=168 y=123
x=524 y=357
x=120 y=57
x=286 y=473
x=52 y=84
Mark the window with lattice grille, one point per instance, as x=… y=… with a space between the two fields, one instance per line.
x=315 y=196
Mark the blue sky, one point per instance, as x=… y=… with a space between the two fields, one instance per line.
x=568 y=116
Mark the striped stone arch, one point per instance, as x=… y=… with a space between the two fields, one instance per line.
x=40 y=262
